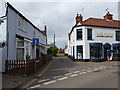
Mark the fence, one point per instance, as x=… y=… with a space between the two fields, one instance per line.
x=26 y=67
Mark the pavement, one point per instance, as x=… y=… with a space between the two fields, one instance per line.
x=65 y=73
x=17 y=81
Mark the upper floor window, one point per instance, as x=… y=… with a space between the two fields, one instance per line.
x=89 y=34
x=79 y=34
x=21 y=23
x=117 y=35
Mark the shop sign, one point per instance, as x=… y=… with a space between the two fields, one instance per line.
x=108 y=35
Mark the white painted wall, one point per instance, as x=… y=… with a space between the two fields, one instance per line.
x=0 y=59
x=85 y=42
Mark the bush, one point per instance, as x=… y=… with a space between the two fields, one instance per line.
x=54 y=50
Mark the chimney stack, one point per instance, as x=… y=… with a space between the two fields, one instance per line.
x=45 y=28
x=79 y=18
x=108 y=16
x=68 y=36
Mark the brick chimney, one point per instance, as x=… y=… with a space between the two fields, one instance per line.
x=68 y=36
x=45 y=28
x=108 y=16
x=79 y=18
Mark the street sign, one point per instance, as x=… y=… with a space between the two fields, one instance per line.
x=35 y=41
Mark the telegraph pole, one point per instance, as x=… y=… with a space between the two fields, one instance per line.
x=54 y=39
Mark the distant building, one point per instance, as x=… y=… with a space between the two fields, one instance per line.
x=91 y=39
x=19 y=38
x=60 y=50
x=66 y=50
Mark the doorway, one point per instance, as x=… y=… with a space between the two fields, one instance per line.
x=107 y=50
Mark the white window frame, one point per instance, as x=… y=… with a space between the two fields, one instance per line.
x=22 y=23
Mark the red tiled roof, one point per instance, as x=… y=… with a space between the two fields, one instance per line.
x=101 y=22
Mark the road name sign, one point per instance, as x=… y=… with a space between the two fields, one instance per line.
x=35 y=41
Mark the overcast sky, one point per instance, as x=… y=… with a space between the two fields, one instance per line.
x=60 y=16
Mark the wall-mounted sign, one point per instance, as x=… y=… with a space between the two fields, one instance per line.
x=35 y=41
x=109 y=35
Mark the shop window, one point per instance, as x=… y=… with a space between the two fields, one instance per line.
x=79 y=52
x=95 y=51
x=79 y=34
x=116 y=51
x=117 y=35
x=89 y=34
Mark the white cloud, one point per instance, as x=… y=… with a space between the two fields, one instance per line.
x=60 y=16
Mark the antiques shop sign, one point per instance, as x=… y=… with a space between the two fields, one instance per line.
x=109 y=35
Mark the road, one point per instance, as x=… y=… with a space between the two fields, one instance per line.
x=64 y=73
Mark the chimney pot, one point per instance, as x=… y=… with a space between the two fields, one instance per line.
x=108 y=16
x=79 y=19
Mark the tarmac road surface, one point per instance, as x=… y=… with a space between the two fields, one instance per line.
x=64 y=73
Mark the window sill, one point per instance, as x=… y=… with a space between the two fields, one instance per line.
x=79 y=39
x=90 y=39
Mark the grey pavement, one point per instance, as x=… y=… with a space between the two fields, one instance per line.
x=14 y=81
x=64 y=73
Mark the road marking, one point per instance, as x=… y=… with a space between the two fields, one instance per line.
x=73 y=75
x=76 y=71
x=63 y=78
x=46 y=83
x=57 y=76
x=68 y=73
x=104 y=67
x=89 y=71
x=84 y=70
x=43 y=80
x=35 y=86
x=100 y=68
x=95 y=69
x=81 y=73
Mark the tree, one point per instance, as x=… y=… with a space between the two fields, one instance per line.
x=54 y=50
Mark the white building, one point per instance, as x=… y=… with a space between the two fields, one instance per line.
x=91 y=39
x=19 y=38
x=66 y=50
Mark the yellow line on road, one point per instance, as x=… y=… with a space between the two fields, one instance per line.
x=40 y=74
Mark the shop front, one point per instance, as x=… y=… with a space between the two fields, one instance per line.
x=96 y=51
x=116 y=51
x=107 y=50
